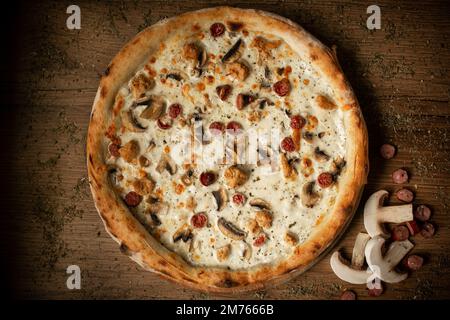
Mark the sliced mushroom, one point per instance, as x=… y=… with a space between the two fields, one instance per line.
x=308 y=196
x=308 y=136
x=358 y=250
x=143 y=161
x=130 y=122
x=260 y=204
x=154 y=109
x=114 y=176
x=345 y=272
x=221 y=198
x=157 y=207
x=234 y=53
x=260 y=103
x=337 y=166
x=187 y=177
x=247 y=252
x=320 y=155
x=230 y=230
x=384 y=267
x=197 y=55
x=155 y=219
x=177 y=75
x=140 y=101
x=183 y=233
x=202 y=58
x=166 y=163
x=151 y=146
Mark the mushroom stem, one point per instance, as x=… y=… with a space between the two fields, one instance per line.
x=358 y=250
x=346 y=272
x=396 y=214
x=383 y=267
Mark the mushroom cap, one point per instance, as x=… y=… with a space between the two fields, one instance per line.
x=373 y=204
x=375 y=214
x=346 y=272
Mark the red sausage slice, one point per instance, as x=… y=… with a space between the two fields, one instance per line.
x=282 y=87
x=199 y=220
x=414 y=262
x=413 y=227
x=207 y=178
x=400 y=176
x=287 y=144
x=400 y=233
x=405 y=195
x=325 y=179
x=217 y=29
x=428 y=230
x=132 y=199
x=114 y=150
x=387 y=151
x=422 y=213
x=348 y=295
x=375 y=288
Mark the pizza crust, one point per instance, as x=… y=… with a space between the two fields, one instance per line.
x=137 y=243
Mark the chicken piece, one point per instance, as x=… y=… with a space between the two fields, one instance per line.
x=129 y=151
x=223 y=253
x=140 y=84
x=235 y=177
x=253 y=226
x=264 y=219
x=238 y=70
x=288 y=171
x=291 y=239
x=190 y=51
x=143 y=186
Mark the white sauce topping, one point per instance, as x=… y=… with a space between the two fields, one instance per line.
x=289 y=215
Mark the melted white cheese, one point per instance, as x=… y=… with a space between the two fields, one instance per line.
x=283 y=195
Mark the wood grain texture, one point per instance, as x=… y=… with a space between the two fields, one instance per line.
x=400 y=75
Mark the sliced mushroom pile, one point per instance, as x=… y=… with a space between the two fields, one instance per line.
x=381 y=264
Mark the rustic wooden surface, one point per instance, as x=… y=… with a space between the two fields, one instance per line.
x=48 y=220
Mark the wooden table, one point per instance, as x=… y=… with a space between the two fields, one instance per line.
x=400 y=75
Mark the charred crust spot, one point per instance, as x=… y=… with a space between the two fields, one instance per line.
x=162 y=263
x=103 y=92
x=227 y=283
x=91 y=161
x=313 y=57
x=107 y=71
x=317 y=246
x=234 y=25
x=124 y=249
x=188 y=280
x=348 y=209
x=165 y=273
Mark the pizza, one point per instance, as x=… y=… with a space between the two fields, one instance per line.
x=226 y=150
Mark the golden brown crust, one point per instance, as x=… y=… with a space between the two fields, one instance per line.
x=147 y=251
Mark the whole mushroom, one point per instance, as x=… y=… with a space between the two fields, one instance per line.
x=375 y=214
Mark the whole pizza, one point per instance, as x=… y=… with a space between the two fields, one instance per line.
x=226 y=150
